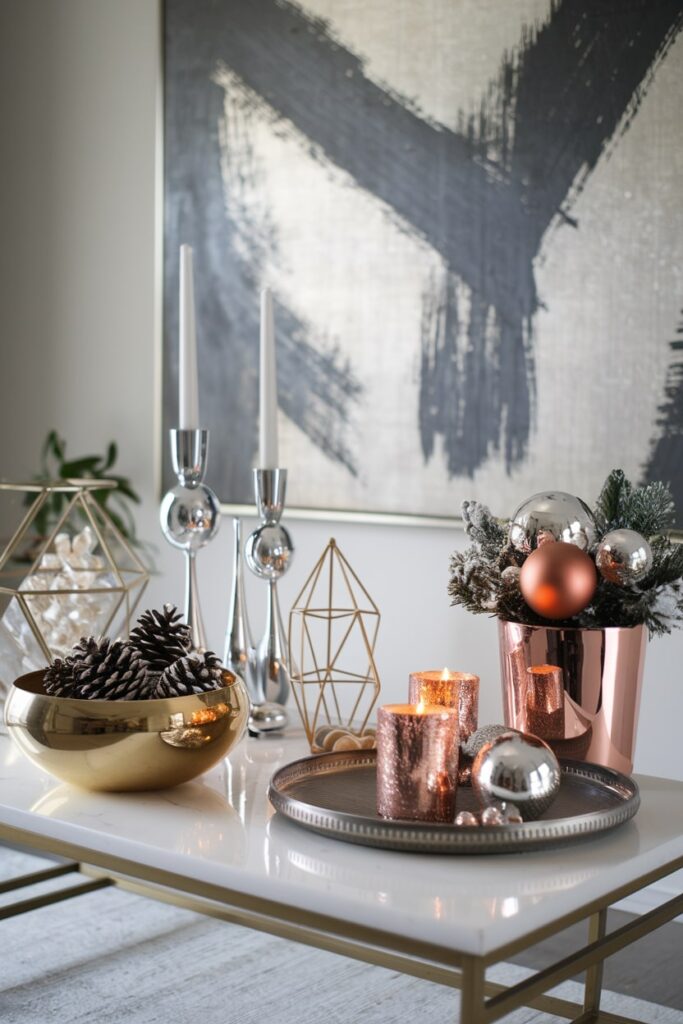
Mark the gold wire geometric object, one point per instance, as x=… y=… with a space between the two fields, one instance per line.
x=83 y=577
x=332 y=634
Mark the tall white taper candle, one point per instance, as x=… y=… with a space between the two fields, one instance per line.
x=268 y=453
x=188 y=397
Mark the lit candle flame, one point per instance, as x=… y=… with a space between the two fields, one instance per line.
x=445 y=676
x=421 y=707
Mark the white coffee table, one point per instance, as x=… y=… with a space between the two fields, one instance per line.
x=217 y=846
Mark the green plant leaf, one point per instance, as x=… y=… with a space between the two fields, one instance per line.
x=118 y=522
x=93 y=466
x=123 y=487
x=55 y=447
x=112 y=452
x=89 y=464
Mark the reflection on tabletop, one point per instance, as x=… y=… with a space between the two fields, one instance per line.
x=225 y=820
x=441 y=886
x=193 y=819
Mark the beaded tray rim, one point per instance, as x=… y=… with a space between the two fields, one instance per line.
x=429 y=837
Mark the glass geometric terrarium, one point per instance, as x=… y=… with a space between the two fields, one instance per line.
x=75 y=578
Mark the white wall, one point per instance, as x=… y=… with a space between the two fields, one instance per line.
x=79 y=321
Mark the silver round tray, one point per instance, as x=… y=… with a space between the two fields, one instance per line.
x=334 y=794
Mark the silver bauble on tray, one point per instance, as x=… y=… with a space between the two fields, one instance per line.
x=492 y=815
x=466 y=819
x=552 y=515
x=624 y=557
x=516 y=768
x=470 y=747
x=480 y=737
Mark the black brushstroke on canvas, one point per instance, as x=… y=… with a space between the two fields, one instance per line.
x=483 y=196
x=316 y=385
x=666 y=457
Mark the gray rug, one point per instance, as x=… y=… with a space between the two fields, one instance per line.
x=113 y=958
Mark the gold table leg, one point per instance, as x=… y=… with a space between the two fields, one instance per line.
x=597 y=927
x=472 y=1002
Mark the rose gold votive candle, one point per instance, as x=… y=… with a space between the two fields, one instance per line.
x=545 y=702
x=417 y=761
x=452 y=690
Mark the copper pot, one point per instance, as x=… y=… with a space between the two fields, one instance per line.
x=594 y=714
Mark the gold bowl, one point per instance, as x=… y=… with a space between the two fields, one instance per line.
x=126 y=745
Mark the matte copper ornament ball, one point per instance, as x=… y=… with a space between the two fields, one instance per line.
x=558 y=580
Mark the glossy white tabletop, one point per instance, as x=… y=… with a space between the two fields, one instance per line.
x=221 y=829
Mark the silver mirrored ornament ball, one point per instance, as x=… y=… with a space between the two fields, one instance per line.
x=190 y=516
x=516 y=768
x=268 y=551
x=624 y=557
x=480 y=737
x=492 y=815
x=553 y=515
x=267 y=717
x=466 y=819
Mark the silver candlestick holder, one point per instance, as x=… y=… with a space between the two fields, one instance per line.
x=268 y=553
x=190 y=516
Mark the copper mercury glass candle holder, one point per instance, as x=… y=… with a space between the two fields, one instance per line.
x=545 y=702
x=451 y=690
x=417 y=762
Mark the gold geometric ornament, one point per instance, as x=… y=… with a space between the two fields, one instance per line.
x=80 y=578
x=332 y=634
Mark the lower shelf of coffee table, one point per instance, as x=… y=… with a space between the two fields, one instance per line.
x=334 y=794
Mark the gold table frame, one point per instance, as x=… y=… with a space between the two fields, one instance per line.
x=482 y=1001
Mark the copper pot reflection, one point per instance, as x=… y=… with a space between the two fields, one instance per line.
x=601 y=679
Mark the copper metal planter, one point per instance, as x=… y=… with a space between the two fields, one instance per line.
x=602 y=674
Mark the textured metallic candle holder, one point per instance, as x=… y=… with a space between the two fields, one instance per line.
x=268 y=553
x=190 y=516
x=453 y=690
x=545 y=702
x=417 y=762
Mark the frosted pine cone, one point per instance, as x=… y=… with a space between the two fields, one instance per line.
x=195 y=673
x=109 y=670
x=59 y=680
x=161 y=637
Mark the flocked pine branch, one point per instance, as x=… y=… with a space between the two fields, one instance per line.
x=648 y=510
x=488 y=533
x=476 y=580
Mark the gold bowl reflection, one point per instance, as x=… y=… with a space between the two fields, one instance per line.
x=126 y=745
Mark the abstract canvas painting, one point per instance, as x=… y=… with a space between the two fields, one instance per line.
x=470 y=215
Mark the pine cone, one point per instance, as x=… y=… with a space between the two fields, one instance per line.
x=161 y=637
x=59 y=680
x=109 y=670
x=195 y=673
